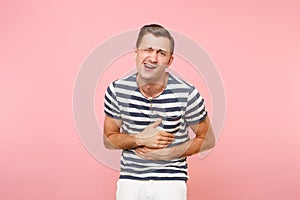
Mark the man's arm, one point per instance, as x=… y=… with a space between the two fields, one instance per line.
x=204 y=140
x=112 y=137
x=149 y=137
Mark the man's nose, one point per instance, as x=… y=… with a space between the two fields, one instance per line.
x=153 y=56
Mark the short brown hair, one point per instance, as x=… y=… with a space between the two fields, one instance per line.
x=157 y=31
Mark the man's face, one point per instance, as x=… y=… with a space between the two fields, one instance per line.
x=153 y=56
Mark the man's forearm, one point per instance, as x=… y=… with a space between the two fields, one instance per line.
x=120 y=141
x=182 y=150
x=193 y=146
x=196 y=145
x=113 y=138
x=149 y=137
x=190 y=147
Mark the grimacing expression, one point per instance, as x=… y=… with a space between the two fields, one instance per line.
x=152 y=57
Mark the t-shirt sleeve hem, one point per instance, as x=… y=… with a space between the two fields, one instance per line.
x=197 y=121
x=112 y=116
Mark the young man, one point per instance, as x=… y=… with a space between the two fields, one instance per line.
x=148 y=115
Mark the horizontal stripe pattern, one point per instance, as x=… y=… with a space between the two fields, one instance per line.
x=179 y=105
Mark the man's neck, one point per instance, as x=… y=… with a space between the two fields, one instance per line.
x=152 y=89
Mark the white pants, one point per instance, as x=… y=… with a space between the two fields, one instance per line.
x=151 y=190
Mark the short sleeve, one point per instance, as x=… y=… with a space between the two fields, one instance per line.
x=195 y=110
x=111 y=107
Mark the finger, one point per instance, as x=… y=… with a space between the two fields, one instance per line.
x=160 y=145
x=156 y=146
x=164 y=143
x=165 y=139
x=166 y=134
x=142 y=150
x=139 y=151
x=156 y=123
x=141 y=155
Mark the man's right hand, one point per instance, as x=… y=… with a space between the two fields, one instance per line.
x=152 y=138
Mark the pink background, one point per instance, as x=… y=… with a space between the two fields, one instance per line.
x=255 y=46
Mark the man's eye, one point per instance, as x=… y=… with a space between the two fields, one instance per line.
x=149 y=50
x=162 y=53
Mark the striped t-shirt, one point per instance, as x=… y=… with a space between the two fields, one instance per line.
x=179 y=105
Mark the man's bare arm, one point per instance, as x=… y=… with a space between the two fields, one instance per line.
x=112 y=137
x=203 y=140
x=149 y=137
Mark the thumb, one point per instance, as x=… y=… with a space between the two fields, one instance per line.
x=156 y=123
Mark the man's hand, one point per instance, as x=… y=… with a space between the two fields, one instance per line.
x=153 y=154
x=203 y=141
x=152 y=138
x=161 y=154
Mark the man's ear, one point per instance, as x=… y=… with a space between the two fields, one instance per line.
x=170 y=61
x=135 y=53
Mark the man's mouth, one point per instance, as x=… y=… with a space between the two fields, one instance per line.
x=150 y=66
